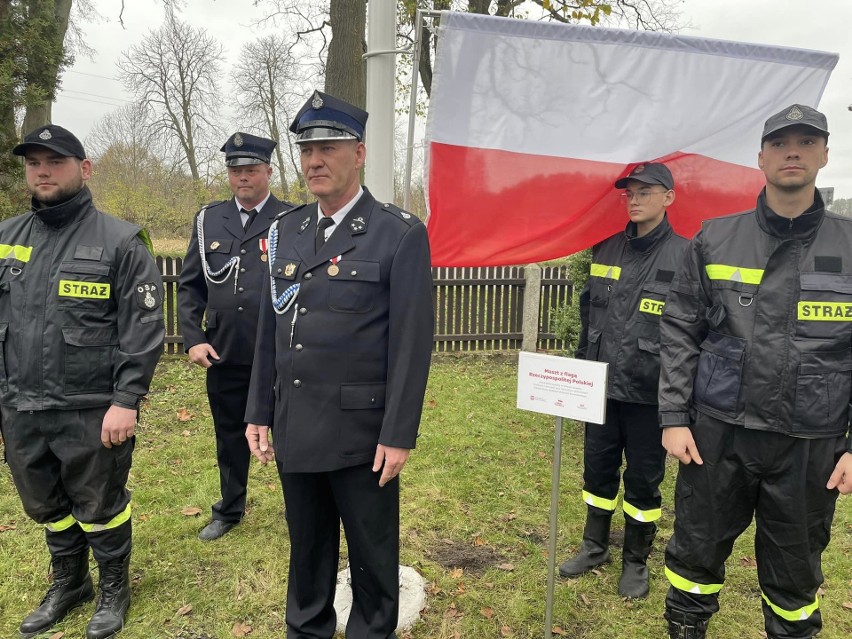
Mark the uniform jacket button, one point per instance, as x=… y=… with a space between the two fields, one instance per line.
x=242 y=270
x=240 y=309
x=303 y=311
x=297 y=383
x=278 y=270
x=241 y=289
x=354 y=273
x=299 y=347
x=308 y=276
x=242 y=251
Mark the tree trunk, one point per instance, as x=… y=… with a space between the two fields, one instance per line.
x=346 y=76
x=46 y=78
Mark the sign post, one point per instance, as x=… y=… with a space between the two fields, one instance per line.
x=564 y=387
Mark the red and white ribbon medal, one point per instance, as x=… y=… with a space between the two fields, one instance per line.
x=334 y=269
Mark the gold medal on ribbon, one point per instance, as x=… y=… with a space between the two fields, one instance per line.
x=263 y=257
x=333 y=270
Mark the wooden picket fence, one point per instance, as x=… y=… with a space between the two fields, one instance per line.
x=476 y=309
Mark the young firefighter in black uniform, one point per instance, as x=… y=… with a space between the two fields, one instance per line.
x=81 y=330
x=755 y=386
x=620 y=309
x=340 y=369
x=220 y=283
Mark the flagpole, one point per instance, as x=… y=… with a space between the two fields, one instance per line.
x=554 y=509
x=412 y=103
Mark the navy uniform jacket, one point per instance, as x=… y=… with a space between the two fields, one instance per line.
x=356 y=371
x=231 y=313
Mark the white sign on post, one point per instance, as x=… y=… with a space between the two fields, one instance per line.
x=562 y=386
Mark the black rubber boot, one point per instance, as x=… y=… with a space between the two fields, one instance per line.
x=72 y=586
x=682 y=626
x=638 y=539
x=114 y=599
x=595 y=549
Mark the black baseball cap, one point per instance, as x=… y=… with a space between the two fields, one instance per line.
x=55 y=138
x=793 y=115
x=649 y=173
x=245 y=148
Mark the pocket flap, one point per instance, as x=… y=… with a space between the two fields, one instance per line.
x=659 y=288
x=824 y=362
x=217 y=246
x=834 y=282
x=357 y=270
x=726 y=346
x=90 y=268
x=90 y=336
x=649 y=345
x=360 y=396
x=88 y=253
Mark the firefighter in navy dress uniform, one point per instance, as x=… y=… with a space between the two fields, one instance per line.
x=220 y=285
x=755 y=383
x=620 y=308
x=81 y=331
x=340 y=370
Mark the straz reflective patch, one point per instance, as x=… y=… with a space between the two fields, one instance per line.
x=655 y=307
x=87 y=290
x=825 y=311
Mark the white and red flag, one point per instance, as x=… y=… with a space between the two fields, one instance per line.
x=531 y=123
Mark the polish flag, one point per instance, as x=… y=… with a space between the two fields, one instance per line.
x=531 y=123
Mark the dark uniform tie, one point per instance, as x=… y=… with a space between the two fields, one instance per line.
x=324 y=223
x=251 y=214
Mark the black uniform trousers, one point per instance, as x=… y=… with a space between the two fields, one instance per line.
x=632 y=430
x=227 y=391
x=316 y=504
x=61 y=468
x=778 y=479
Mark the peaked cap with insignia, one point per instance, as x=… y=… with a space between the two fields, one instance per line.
x=793 y=115
x=245 y=148
x=55 y=138
x=324 y=117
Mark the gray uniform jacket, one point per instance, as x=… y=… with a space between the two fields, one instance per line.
x=621 y=304
x=758 y=328
x=355 y=372
x=81 y=319
x=230 y=311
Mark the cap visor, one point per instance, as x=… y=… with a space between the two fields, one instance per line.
x=21 y=149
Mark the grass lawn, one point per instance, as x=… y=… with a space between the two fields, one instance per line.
x=475 y=499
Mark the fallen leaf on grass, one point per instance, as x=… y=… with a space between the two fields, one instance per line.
x=487 y=612
x=510 y=516
x=431 y=403
x=478 y=542
x=190 y=511
x=241 y=630
x=507 y=567
x=434 y=589
x=585 y=599
x=4 y=528
x=558 y=630
x=57 y=635
x=596 y=572
x=183 y=611
x=748 y=561
x=184 y=415
x=453 y=612
x=505 y=631
x=456 y=573
x=186 y=433
x=847 y=605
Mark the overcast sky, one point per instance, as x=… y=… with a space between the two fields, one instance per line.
x=90 y=90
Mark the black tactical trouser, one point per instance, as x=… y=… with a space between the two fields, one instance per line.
x=69 y=481
x=778 y=479
x=227 y=391
x=632 y=430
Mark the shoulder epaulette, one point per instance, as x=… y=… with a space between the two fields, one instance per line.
x=295 y=208
x=397 y=212
x=209 y=204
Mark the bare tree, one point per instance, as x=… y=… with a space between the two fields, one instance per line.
x=174 y=72
x=269 y=79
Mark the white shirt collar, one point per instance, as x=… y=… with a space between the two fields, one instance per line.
x=338 y=217
x=256 y=208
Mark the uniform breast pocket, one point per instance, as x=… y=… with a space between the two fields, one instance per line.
x=83 y=285
x=732 y=299
x=600 y=290
x=355 y=287
x=824 y=310
x=652 y=302
x=217 y=253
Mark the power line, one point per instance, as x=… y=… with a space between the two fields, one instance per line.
x=96 y=95
x=71 y=97
x=93 y=75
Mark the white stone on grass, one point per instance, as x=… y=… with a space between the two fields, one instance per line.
x=412 y=598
